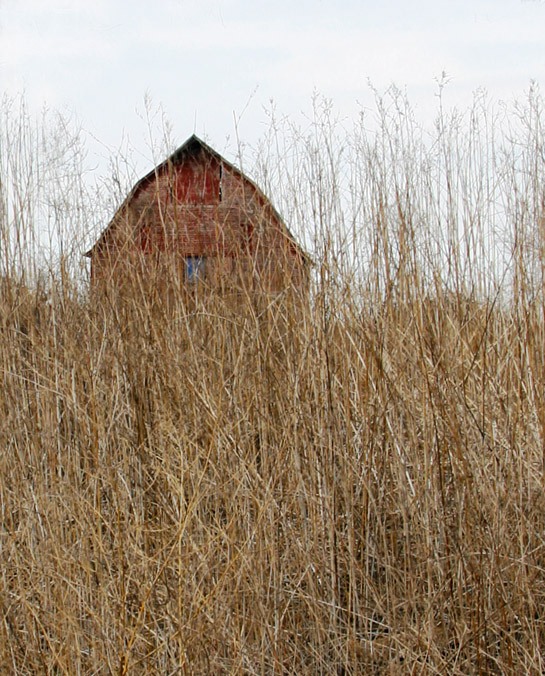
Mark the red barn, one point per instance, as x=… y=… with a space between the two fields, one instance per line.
x=200 y=217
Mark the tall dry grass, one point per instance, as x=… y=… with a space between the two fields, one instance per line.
x=352 y=485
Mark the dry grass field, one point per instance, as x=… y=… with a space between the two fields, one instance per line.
x=349 y=485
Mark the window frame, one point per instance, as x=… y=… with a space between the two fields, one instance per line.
x=194 y=269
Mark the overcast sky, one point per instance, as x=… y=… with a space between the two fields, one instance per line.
x=206 y=61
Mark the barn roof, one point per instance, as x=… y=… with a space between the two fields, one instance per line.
x=190 y=148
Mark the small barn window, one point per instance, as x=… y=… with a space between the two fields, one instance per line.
x=194 y=268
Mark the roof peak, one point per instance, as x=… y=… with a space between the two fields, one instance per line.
x=190 y=145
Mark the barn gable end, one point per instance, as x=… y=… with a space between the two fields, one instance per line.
x=200 y=213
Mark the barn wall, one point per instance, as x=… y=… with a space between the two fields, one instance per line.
x=203 y=207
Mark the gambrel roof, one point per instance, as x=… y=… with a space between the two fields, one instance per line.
x=192 y=148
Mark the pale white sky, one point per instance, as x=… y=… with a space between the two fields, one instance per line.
x=206 y=61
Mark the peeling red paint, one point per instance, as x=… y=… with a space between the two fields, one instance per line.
x=196 y=204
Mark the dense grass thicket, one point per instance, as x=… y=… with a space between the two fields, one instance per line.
x=350 y=484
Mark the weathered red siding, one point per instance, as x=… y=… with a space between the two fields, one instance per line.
x=198 y=204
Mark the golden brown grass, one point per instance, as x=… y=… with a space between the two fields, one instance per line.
x=218 y=492
x=353 y=485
